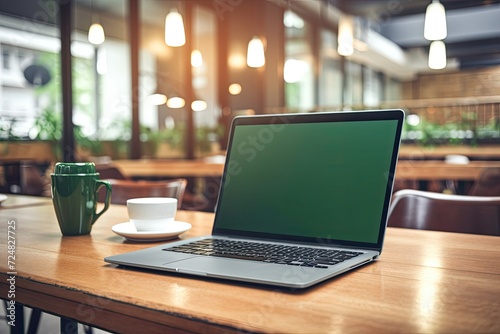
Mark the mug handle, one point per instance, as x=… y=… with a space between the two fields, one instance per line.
x=99 y=185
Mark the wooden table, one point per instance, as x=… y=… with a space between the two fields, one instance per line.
x=424 y=282
x=19 y=201
x=439 y=170
x=169 y=168
x=413 y=170
x=413 y=152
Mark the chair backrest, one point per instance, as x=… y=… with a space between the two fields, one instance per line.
x=33 y=182
x=488 y=183
x=108 y=171
x=122 y=190
x=443 y=212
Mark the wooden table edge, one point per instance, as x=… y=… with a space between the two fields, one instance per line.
x=104 y=312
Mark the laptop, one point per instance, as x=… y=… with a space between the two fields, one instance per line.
x=303 y=198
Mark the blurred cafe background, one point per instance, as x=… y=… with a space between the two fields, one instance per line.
x=139 y=84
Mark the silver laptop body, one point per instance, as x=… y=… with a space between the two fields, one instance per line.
x=320 y=181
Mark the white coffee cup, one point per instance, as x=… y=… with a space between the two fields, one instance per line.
x=151 y=213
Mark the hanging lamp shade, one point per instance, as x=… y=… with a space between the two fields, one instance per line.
x=96 y=34
x=176 y=102
x=174 y=29
x=437 y=55
x=157 y=99
x=235 y=89
x=255 y=53
x=435 y=22
x=199 y=105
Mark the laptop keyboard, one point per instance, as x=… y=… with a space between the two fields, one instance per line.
x=263 y=252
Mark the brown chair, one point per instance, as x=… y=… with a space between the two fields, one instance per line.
x=33 y=182
x=488 y=183
x=443 y=212
x=122 y=190
x=109 y=171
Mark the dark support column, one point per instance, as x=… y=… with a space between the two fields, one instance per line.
x=68 y=138
x=19 y=327
x=343 y=70
x=134 y=32
x=68 y=326
x=97 y=96
x=223 y=78
x=188 y=79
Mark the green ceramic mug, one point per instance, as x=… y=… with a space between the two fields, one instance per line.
x=75 y=188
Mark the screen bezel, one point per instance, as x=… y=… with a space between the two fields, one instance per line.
x=317 y=117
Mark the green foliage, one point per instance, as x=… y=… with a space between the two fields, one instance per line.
x=206 y=135
x=466 y=131
x=48 y=126
x=6 y=131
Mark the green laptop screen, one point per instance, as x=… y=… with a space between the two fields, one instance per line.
x=326 y=181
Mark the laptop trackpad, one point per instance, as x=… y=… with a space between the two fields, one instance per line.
x=207 y=265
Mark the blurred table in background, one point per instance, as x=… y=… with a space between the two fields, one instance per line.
x=416 y=152
x=406 y=169
x=440 y=170
x=146 y=168
x=11 y=201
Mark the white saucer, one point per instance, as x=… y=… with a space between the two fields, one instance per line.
x=2 y=197
x=172 y=230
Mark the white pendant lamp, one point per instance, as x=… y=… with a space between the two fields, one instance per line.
x=157 y=99
x=199 y=105
x=435 y=22
x=255 y=53
x=96 y=34
x=174 y=29
x=176 y=102
x=437 y=55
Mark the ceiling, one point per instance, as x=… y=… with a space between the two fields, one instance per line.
x=473 y=26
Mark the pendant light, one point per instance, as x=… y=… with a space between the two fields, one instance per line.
x=96 y=34
x=435 y=22
x=174 y=29
x=176 y=102
x=437 y=55
x=255 y=53
x=199 y=105
x=157 y=99
x=96 y=31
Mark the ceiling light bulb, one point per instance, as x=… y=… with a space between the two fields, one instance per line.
x=234 y=89
x=255 y=53
x=437 y=55
x=174 y=29
x=157 y=99
x=96 y=34
x=435 y=22
x=199 y=105
x=176 y=102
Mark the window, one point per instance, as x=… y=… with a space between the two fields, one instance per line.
x=330 y=73
x=5 y=58
x=299 y=64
